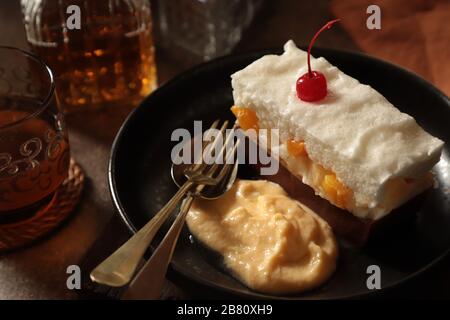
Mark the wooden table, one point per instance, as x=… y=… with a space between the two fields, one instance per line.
x=39 y=272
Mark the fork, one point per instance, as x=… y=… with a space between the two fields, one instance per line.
x=149 y=282
x=118 y=269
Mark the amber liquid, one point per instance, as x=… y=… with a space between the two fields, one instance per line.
x=109 y=61
x=34 y=159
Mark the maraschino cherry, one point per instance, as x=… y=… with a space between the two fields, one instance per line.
x=312 y=86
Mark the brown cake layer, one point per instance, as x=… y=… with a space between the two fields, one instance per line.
x=355 y=230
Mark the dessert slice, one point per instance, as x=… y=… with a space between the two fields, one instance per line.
x=353 y=147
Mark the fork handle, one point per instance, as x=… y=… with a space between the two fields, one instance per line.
x=149 y=281
x=118 y=269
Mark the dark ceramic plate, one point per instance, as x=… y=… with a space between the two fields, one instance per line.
x=139 y=173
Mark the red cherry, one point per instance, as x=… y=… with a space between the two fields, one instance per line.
x=312 y=86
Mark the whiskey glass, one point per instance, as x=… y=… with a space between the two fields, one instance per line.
x=34 y=146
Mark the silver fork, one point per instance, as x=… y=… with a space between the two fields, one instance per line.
x=149 y=281
x=118 y=269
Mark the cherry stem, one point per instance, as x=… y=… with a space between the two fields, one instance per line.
x=326 y=26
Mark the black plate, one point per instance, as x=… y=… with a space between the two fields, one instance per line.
x=139 y=172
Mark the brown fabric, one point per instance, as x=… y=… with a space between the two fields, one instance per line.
x=414 y=34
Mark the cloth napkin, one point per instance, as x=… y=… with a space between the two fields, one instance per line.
x=414 y=34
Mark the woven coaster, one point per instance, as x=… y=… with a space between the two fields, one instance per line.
x=22 y=233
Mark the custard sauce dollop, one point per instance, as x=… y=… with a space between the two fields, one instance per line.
x=272 y=243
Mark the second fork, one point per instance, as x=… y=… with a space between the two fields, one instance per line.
x=118 y=269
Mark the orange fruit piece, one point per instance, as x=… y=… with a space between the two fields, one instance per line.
x=296 y=148
x=336 y=191
x=247 y=117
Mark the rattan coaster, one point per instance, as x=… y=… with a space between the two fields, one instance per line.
x=22 y=233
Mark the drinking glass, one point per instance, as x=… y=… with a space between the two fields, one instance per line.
x=109 y=61
x=34 y=147
x=204 y=29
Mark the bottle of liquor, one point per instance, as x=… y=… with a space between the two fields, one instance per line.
x=101 y=52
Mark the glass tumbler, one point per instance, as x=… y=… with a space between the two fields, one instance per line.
x=34 y=147
x=204 y=29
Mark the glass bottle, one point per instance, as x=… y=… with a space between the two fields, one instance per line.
x=101 y=52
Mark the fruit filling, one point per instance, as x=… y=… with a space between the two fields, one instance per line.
x=336 y=191
x=296 y=148
x=247 y=117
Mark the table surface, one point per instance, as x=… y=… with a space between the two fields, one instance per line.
x=39 y=271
